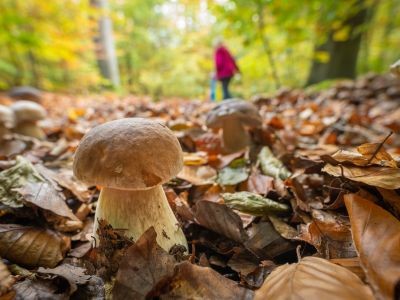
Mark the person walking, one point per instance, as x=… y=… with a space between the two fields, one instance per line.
x=225 y=66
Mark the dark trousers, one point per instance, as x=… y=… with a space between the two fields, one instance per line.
x=225 y=87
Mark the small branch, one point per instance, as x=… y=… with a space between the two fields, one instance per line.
x=379 y=148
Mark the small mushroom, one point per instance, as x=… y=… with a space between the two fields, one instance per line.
x=25 y=93
x=233 y=116
x=27 y=114
x=130 y=159
x=6 y=121
x=395 y=68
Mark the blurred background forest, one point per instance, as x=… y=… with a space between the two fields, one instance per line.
x=164 y=47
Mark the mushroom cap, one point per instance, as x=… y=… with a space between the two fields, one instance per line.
x=26 y=111
x=128 y=154
x=25 y=93
x=238 y=109
x=6 y=117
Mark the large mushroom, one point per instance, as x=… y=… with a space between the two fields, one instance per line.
x=6 y=121
x=27 y=114
x=25 y=93
x=130 y=159
x=233 y=116
x=395 y=68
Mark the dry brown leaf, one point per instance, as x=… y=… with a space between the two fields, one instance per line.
x=44 y=195
x=330 y=234
x=198 y=175
x=387 y=178
x=260 y=184
x=393 y=199
x=74 y=275
x=194 y=282
x=376 y=235
x=144 y=266
x=313 y=278
x=31 y=247
x=221 y=219
x=37 y=290
x=6 y=280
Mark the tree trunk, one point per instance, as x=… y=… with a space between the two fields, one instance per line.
x=105 y=47
x=342 y=54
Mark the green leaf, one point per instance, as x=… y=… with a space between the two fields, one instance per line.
x=272 y=166
x=253 y=204
x=16 y=177
x=232 y=176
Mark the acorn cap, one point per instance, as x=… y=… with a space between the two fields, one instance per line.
x=128 y=154
x=25 y=93
x=243 y=111
x=6 y=117
x=26 y=111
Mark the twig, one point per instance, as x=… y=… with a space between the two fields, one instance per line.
x=379 y=148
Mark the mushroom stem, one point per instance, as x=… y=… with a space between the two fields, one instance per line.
x=235 y=136
x=3 y=131
x=138 y=210
x=30 y=129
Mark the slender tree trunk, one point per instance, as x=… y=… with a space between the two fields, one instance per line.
x=106 y=56
x=342 y=54
x=266 y=45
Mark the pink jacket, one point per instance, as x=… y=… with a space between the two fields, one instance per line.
x=224 y=63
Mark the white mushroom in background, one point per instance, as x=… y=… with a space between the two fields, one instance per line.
x=27 y=114
x=232 y=116
x=6 y=121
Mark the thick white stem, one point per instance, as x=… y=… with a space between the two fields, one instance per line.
x=235 y=137
x=3 y=131
x=136 y=211
x=30 y=129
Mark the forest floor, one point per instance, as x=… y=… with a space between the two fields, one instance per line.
x=329 y=160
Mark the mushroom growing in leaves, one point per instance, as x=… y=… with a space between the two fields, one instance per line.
x=27 y=114
x=233 y=116
x=6 y=120
x=395 y=68
x=130 y=159
x=25 y=93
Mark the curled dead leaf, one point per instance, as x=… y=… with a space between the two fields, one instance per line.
x=313 y=278
x=376 y=235
x=30 y=246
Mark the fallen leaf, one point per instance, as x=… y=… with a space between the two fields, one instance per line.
x=92 y=290
x=232 y=176
x=221 y=219
x=392 y=198
x=198 y=175
x=260 y=184
x=284 y=229
x=15 y=177
x=74 y=275
x=194 y=282
x=351 y=264
x=31 y=247
x=272 y=166
x=376 y=235
x=253 y=204
x=143 y=268
x=387 y=178
x=194 y=159
x=44 y=195
x=313 y=278
x=37 y=290
x=6 y=280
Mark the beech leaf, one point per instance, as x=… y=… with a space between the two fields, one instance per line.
x=313 y=278
x=376 y=235
x=272 y=166
x=30 y=246
x=384 y=177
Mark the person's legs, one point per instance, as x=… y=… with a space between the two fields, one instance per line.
x=225 y=87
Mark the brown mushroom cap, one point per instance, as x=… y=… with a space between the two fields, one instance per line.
x=128 y=154
x=238 y=109
x=25 y=93
x=6 y=117
x=26 y=111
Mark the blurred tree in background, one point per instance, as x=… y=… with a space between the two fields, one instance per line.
x=164 y=47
